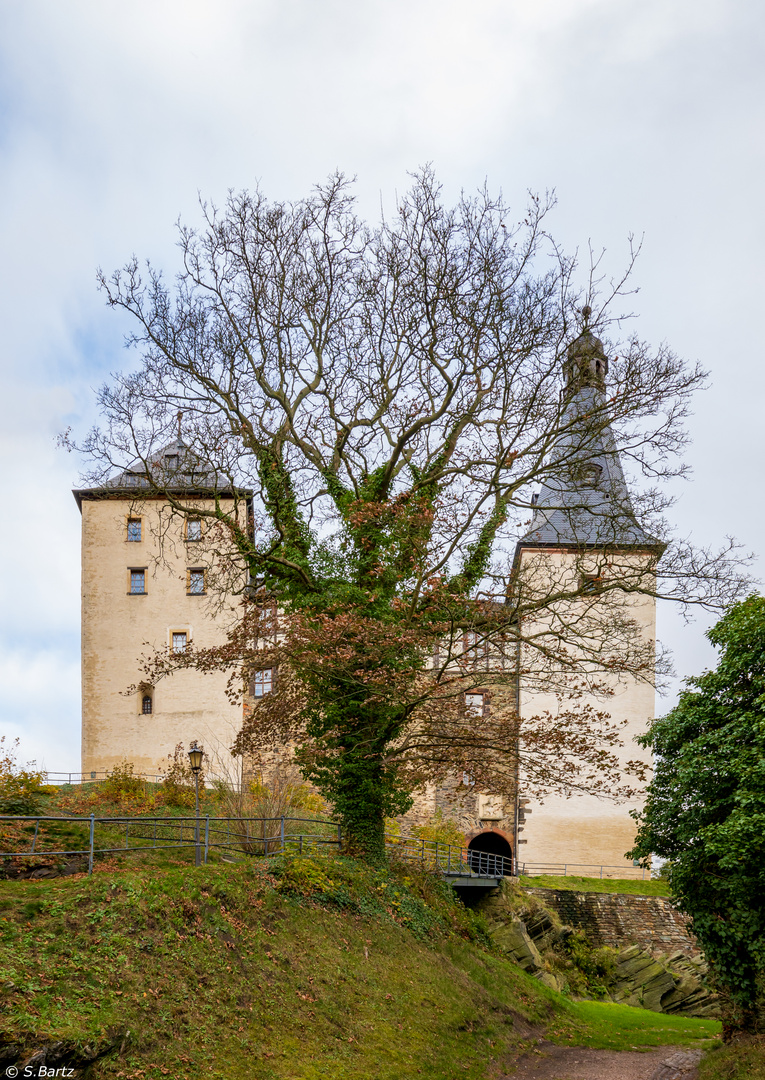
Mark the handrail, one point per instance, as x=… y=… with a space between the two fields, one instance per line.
x=274 y=835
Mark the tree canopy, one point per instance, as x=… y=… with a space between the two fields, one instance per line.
x=706 y=809
x=382 y=402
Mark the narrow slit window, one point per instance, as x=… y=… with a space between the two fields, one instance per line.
x=138 y=582
x=134 y=530
x=147 y=706
x=196 y=582
x=180 y=641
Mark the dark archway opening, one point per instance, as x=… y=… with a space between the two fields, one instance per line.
x=490 y=853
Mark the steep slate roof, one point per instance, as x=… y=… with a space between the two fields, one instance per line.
x=587 y=504
x=175 y=469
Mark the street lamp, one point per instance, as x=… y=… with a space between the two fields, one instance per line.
x=196 y=756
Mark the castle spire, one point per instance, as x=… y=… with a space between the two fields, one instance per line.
x=586 y=363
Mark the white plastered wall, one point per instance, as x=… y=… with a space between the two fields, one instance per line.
x=118 y=628
x=586 y=832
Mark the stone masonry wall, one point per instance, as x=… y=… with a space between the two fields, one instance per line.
x=620 y=919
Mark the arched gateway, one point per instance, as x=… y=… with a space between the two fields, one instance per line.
x=491 y=851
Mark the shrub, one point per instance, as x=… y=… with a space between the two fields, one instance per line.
x=19 y=788
x=441 y=830
x=123 y=783
x=178 y=783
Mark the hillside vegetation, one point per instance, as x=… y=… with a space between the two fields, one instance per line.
x=302 y=968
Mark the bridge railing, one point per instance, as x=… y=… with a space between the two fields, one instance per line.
x=449 y=858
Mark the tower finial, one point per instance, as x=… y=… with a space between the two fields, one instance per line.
x=586 y=313
x=180 y=417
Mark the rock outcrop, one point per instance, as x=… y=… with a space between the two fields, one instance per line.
x=534 y=936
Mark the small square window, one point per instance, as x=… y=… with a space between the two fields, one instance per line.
x=196 y=582
x=180 y=641
x=137 y=582
x=263 y=682
x=193 y=529
x=134 y=530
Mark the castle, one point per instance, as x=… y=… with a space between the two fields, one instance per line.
x=145 y=587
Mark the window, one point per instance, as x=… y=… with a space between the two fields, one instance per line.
x=475 y=647
x=590 y=474
x=146 y=704
x=474 y=704
x=591 y=583
x=138 y=582
x=134 y=530
x=262 y=682
x=180 y=641
x=193 y=529
x=171 y=462
x=196 y=583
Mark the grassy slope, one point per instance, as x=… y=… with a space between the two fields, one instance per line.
x=317 y=969
x=607 y=885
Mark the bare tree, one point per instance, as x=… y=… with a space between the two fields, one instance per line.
x=393 y=397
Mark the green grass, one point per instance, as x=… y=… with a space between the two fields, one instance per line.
x=740 y=1061
x=606 y=1026
x=598 y=885
x=314 y=968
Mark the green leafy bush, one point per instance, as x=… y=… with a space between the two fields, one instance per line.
x=594 y=969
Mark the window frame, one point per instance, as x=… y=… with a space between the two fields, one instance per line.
x=131 y=570
x=133 y=521
x=473 y=709
x=144 y=698
x=267 y=685
x=186 y=640
x=192 y=521
x=190 y=572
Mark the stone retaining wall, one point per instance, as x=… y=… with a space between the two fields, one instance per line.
x=621 y=919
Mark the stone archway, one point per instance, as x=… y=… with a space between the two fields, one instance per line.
x=491 y=850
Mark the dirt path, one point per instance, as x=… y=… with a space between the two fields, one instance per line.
x=551 y=1062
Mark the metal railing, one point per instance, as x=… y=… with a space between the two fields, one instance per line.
x=245 y=836
x=450 y=859
x=588 y=870
x=274 y=836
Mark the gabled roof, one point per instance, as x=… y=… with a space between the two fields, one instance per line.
x=175 y=469
x=586 y=504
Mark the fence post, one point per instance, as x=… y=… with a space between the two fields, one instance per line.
x=90 y=856
x=339 y=839
x=207 y=836
x=281 y=833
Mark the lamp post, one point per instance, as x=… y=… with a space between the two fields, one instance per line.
x=196 y=756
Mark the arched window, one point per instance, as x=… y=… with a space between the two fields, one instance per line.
x=147 y=704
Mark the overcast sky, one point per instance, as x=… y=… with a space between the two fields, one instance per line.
x=646 y=117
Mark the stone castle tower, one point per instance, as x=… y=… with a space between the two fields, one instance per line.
x=145 y=575
x=584 y=531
